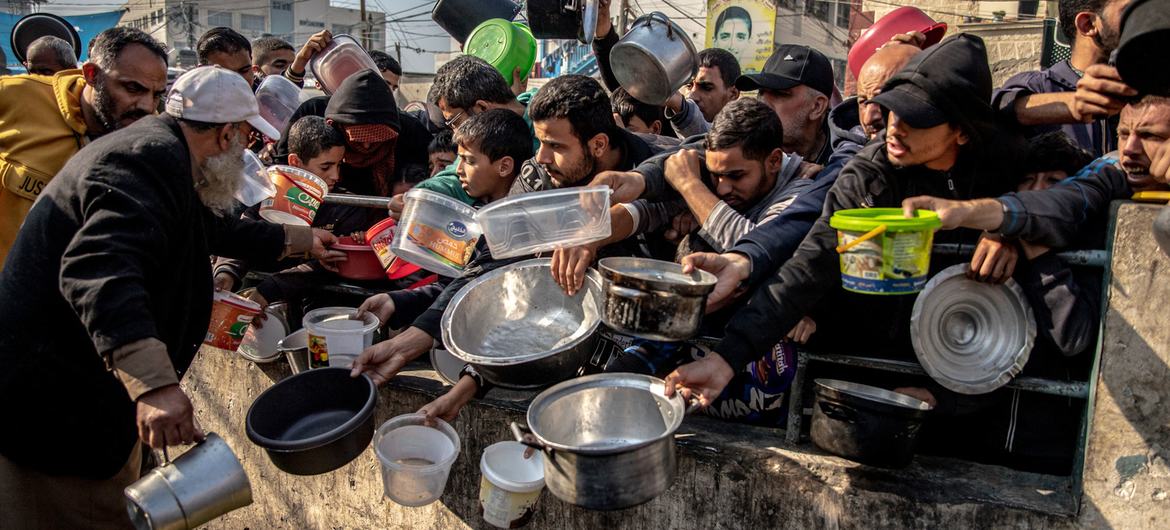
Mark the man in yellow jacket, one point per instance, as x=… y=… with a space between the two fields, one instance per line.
x=44 y=120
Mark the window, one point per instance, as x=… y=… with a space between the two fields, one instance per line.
x=843 y=11
x=219 y=18
x=818 y=9
x=281 y=6
x=252 y=22
x=786 y=4
x=341 y=29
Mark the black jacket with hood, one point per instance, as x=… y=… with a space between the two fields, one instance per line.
x=365 y=98
x=987 y=167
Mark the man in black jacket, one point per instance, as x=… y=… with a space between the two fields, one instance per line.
x=108 y=296
x=940 y=135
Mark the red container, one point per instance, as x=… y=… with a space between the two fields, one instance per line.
x=361 y=263
x=901 y=20
x=380 y=235
x=230 y=316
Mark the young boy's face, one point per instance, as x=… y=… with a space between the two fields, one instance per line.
x=440 y=160
x=325 y=165
x=480 y=177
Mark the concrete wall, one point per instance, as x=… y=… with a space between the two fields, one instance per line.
x=734 y=477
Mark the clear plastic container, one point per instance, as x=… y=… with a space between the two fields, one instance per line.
x=255 y=185
x=415 y=458
x=278 y=98
x=342 y=58
x=544 y=220
x=436 y=232
x=336 y=338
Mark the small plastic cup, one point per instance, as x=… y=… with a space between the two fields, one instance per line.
x=511 y=484
x=415 y=458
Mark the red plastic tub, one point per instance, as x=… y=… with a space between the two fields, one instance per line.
x=902 y=20
x=380 y=235
x=361 y=262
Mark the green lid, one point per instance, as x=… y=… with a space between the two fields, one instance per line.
x=866 y=219
x=504 y=45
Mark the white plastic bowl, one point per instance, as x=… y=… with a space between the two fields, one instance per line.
x=544 y=220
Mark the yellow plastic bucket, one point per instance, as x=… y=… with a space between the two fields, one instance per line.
x=882 y=251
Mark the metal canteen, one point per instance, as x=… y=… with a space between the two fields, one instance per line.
x=204 y=483
x=653 y=299
x=607 y=439
x=654 y=59
x=546 y=336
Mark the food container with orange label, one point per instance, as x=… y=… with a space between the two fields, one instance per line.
x=336 y=337
x=436 y=233
x=230 y=316
x=298 y=196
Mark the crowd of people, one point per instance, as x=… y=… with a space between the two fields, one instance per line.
x=117 y=189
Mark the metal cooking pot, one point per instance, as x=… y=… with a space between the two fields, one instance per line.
x=459 y=17
x=866 y=424
x=562 y=19
x=296 y=350
x=315 y=421
x=518 y=327
x=204 y=483
x=608 y=439
x=654 y=59
x=653 y=299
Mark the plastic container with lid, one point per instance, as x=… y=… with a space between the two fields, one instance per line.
x=298 y=196
x=342 y=58
x=511 y=484
x=230 y=316
x=336 y=338
x=436 y=232
x=504 y=45
x=415 y=458
x=361 y=262
x=277 y=98
x=255 y=186
x=883 y=251
x=544 y=220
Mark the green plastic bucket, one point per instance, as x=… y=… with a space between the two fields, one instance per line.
x=504 y=45
x=894 y=261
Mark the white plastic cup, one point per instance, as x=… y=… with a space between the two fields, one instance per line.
x=415 y=458
x=510 y=485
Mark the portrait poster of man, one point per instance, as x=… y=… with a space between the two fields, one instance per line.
x=743 y=27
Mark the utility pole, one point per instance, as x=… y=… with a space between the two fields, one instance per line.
x=365 y=27
x=189 y=18
x=624 y=18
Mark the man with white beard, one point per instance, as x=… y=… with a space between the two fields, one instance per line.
x=107 y=295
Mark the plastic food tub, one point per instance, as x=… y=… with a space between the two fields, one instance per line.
x=298 y=196
x=278 y=98
x=255 y=185
x=336 y=338
x=544 y=220
x=504 y=45
x=436 y=233
x=511 y=484
x=361 y=262
x=342 y=58
x=415 y=458
x=882 y=251
x=230 y=316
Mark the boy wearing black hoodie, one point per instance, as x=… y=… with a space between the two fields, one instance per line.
x=941 y=138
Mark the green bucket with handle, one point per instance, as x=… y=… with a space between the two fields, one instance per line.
x=503 y=44
x=883 y=251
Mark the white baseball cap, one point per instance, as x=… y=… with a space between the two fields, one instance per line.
x=212 y=94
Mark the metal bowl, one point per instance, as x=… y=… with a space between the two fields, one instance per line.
x=518 y=327
x=971 y=337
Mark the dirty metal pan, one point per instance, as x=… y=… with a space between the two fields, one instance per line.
x=971 y=337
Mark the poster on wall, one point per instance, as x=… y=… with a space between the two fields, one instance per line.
x=743 y=27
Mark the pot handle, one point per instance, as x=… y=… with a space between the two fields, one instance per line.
x=838 y=412
x=626 y=292
x=692 y=405
x=524 y=435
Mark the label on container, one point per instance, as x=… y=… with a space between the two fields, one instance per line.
x=381 y=245
x=503 y=508
x=318 y=352
x=446 y=244
x=892 y=263
x=227 y=327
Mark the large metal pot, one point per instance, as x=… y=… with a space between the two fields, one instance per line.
x=866 y=424
x=608 y=439
x=654 y=59
x=205 y=482
x=315 y=421
x=562 y=19
x=519 y=328
x=653 y=299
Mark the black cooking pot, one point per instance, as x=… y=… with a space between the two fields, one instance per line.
x=1145 y=36
x=37 y=25
x=315 y=421
x=549 y=19
x=866 y=424
x=459 y=17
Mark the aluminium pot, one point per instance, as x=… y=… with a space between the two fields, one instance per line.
x=654 y=59
x=653 y=299
x=459 y=17
x=202 y=484
x=315 y=421
x=866 y=424
x=519 y=329
x=607 y=439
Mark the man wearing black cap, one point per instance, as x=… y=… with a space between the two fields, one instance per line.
x=939 y=139
x=797 y=82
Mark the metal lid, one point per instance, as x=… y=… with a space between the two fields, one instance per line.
x=656 y=275
x=875 y=394
x=971 y=337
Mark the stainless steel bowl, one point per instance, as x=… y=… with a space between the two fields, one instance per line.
x=519 y=328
